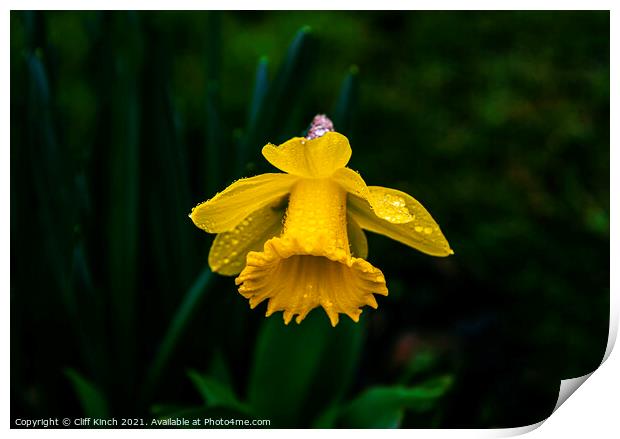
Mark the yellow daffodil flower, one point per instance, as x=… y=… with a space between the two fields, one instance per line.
x=298 y=238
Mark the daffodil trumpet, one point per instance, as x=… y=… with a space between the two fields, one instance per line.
x=297 y=238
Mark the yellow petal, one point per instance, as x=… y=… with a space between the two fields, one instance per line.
x=229 y=250
x=296 y=282
x=421 y=233
x=314 y=158
x=231 y=206
x=357 y=239
x=390 y=206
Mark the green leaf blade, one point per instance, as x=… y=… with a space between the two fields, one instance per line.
x=92 y=400
x=283 y=367
x=384 y=407
x=344 y=110
x=215 y=393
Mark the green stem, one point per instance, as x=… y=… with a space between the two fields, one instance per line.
x=177 y=326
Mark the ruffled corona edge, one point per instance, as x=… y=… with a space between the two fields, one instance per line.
x=297 y=279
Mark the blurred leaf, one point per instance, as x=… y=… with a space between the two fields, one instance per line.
x=420 y=363
x=338 y=365
x=169 y=231
x=121 y=143
x=57 y=216
x=213 y=44
x=384 y=407
x=89 y=315
x=216 y=393
x=55 y=213
x=347 y=100
x=328 y=418
x=35 y=29
x=257 y=107
x=177 y=326
x=218 y=369
x=300 y=369
x=294 y=70
x=93 y=401
x=284 y=363
x=214 y=147
x=261 y=87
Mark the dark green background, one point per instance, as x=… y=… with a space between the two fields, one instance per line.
x=122 y=122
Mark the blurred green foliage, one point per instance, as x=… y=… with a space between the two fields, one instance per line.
x=498 y=122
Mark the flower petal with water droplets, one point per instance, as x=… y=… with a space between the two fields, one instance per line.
x=390 y=206
x=421 y=233
x=316 y=158
x=231 y=206
x=229 y=250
